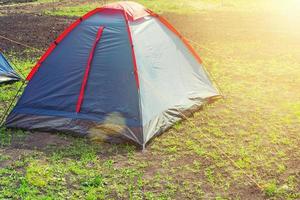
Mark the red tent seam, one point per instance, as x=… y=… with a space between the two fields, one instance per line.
x=171 y=28
x=78 y=21
x=87 y=70
x=133 y=53
x=65 y=33
x=59 y=39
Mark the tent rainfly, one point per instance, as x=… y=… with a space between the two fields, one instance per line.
x=7 y=73
x=120 y=70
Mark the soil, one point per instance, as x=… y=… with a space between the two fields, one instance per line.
x=21 y=22
x=6 y=2
x=41 y=141
x=23 y=28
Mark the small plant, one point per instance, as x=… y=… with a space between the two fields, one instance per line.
x=271 y=189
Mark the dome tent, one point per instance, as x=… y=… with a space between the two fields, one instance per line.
x=7 y=73
x=118 y=70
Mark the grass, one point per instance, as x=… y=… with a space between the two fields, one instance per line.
x=78 y=10
x=257 y=125
x=177 y=6
x=162 y=6
x=22 y=66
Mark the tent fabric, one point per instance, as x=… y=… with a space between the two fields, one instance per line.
x=132 y=10
x=88 y=67
x=7 y=73
x=171 y=79
x=111 y=87
x=141 y=78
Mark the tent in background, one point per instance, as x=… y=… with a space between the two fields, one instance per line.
x=7 y=73
x=118 y=70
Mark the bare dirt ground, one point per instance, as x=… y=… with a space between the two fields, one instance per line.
x=24 y=30
x=21 y=22
x=5 y=2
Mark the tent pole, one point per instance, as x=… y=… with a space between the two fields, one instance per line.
x=10 y=105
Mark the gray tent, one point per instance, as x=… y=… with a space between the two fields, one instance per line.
x=118 y=70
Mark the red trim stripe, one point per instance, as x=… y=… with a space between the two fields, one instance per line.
x=38 y=64
x=133 y=54
x=51 y=48
x=59 y=39
x=87 y=70
x=171 y=28
x=77 y=22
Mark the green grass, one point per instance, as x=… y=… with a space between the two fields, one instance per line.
x=161 y=6
x=7 y=92
x=47 y=1
x=73 y=10
x=176 y=6
x=257 y=125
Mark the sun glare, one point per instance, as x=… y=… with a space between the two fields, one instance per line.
x=290 y=9
x=287 y=14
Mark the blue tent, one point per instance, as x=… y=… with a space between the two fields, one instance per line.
x=7 y=73
x=118 y=70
